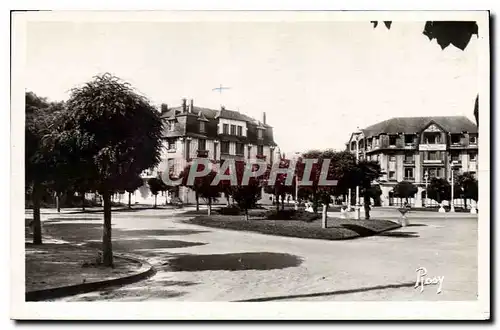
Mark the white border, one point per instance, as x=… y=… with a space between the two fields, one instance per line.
x=249 y=311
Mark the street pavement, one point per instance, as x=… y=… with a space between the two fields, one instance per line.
x=196 y=263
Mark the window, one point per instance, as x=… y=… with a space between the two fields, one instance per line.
x=392 y=175
x=233 y=129
x=473 y=156
x=240 y=131
x=171 y=125
x=455 y=156
x=392 y=158
x=225 y=129
x=392 y=140
x=375 y=141
x=432 y=138
x=353 y=146
x=473 y=139
x=240 y=149
x=409 y=173
x=259 y=133
x=202 y=143
x=408 y=158
x=202 y=127
x=171 y=144
x=224 y=147
x=409 y=138
x=432 y=155
x=361 y=144
x=369 y=143
x=260 y=150
x=455 y=138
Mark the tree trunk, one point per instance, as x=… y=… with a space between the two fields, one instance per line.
x=209 y=206
x=83 y=201
x=37 y=223
x=277 y=198
x=197 y=198
x=246 y=214
x=155 y=201
x=129 y=200
x=282 y=203
x=58 y=207
x=465 y=203
x=227 y=197
x=107 y=251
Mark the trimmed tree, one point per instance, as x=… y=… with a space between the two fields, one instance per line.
x=202 y=186
x=439 y=190
x=364 y=174
x=131 y=186
x=155 y=186
x=112 y=134
x=468 y=187
x=405 y=189
x=42 y=120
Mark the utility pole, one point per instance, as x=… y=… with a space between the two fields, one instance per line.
x=452 y=203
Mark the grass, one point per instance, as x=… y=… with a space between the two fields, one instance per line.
x=338 y=229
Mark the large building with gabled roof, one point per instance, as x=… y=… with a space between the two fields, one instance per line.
x=416 y=149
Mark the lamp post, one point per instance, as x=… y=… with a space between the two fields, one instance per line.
x=452 y=203
x=358 y=206
x=426 y=176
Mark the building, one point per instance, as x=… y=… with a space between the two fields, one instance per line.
x=416 y=149
x=194 y=132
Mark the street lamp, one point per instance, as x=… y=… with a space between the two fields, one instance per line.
x=358 y=206
x=452 y=203
x=426 y=176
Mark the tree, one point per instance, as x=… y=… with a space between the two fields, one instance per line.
x=439 y=190
x=131 y=186
x=374 y=192
x=202 y=186
x=245 y=195
x=405 y=189
x=468 y=186
x=364 y=174
x=476 y=110
x=279 y=188
x=155 y=186
x=112 y=134
x=457 y=33
x=42 y=119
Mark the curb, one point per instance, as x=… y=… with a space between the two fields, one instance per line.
x=146 y=270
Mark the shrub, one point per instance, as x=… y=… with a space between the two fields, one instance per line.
x=230 y=210
x=291 y=214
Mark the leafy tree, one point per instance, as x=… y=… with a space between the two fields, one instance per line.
x=202 y=186
x=374 y=192
x=155 y=186
x=131 y=186
x=439 y=190
x=279 y=188
x=245 y=195
x=405 y=189
x=42 y=119
x=364 y=174
x=468 y=185
x=111 y=133
x=457 y=33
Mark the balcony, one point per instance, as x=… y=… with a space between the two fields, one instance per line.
x=433 y=162
x=261 y=157
x=202 y=153
x=432 y=147
x=409 y=179
x=456 y=162
x=408 y=161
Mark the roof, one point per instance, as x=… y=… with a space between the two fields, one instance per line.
x=214 y=114
x=451 y=124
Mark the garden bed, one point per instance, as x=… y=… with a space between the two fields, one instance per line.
x=338 y=229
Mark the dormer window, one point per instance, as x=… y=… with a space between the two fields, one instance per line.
x=260 y=134
x=171 y=125
x=392 y=140
x=409 y=139
x=472 y=139
x=455 y=138
x=202 y=127
x=432 y=138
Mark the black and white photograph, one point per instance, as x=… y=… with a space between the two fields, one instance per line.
x=250 y=160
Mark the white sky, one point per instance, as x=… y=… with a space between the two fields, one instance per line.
x=317 y=81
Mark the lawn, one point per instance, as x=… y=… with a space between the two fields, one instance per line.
x=338 y=229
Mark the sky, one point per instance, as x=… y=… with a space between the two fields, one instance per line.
x=316 y=81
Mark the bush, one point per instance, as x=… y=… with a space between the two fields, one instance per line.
x=230 y=210
x=291 y=214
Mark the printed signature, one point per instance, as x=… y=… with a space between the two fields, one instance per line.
x=422 y=280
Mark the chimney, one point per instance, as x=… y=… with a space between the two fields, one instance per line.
x=164 y=108
x=222 y=107
x=190 y=106
x=264 y=118
x=184 y=105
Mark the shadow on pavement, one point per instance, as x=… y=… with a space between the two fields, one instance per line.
x=332 y=293
x=360 y=230
x=159 y=232
x=402 y=234
x=416 y=225
x=233 y=261
x=138 y=245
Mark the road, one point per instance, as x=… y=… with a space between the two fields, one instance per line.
x=204 y=264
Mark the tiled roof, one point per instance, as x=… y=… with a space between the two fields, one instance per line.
x=451 y=124
x=213 y=114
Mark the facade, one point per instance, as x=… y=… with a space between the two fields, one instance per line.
x=194 y=132
x=416 y=149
